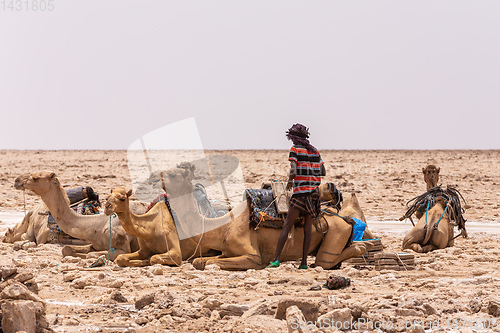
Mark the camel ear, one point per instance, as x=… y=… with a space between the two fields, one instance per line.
x=439 y=169
x=423 y=171
x=129 y=193
x=52 y=175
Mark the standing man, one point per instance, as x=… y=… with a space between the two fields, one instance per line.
x=306 y=168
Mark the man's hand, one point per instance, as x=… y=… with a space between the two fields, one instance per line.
x=289 y=185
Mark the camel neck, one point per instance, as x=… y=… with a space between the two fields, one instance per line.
x=193 y=224
x=136 y=225
x=77 y=226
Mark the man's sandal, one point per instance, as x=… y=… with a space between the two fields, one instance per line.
x=274 y=264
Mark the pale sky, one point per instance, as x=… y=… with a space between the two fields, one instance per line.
x=99 y=74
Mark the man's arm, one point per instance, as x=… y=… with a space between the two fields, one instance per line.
x=292 y=174
x=323 y=170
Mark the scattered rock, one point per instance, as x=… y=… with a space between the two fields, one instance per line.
x=308 y=307
x=118 y=296
x=295 y=320
x=233 y=309
x=256 y=310
x=18 y=316
x=144 y=300
x=339 y=318
x=494 y=308
x=8 y=272
x=215 y=315
x=211 y=303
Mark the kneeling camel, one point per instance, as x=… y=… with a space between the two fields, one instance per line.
x=243 y=247
x=155 y=232
x=94 y=229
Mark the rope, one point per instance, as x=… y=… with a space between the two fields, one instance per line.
x=24 y=199
x=111 y=249
x=165 y=232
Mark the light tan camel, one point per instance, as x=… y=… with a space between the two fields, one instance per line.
x=243 y=247
x=155 y=232
x=431 y=178
x=431 y=175
x=94 y=229
x=426 y=235
x=33 y=227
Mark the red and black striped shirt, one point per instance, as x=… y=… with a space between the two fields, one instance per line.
x=308 y=176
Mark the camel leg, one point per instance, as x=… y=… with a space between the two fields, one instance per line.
x=248 y=261
x=76 y=250
x=428 y=248
x=414 y=246
x=414 y=237
x=135 y=259
x=329 y=260
x=171 y=258
x=199 y=263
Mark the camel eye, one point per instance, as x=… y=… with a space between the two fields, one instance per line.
x=35 y=178
x=122 y=199
x=171 y=175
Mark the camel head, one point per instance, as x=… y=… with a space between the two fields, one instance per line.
x=431 y=175
x=177 y=181
x=351 y=208
x=39 y=182
x=118 y=201
x=328 y=192
x=9 y=236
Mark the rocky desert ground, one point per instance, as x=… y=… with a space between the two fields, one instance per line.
x=450 y=290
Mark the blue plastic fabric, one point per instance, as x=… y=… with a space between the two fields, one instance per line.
x=359 y=229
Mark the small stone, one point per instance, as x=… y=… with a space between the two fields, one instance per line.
x=8 y=271
x=494 y=308
x=21 y=278
x=144 y=300
x=212 y=268
x=234 y=309
x=141 y=321
x=118 y=296
x=215 y=315
x=308 y=307
x=295 y=320
x=28 y=245
x=157 y=270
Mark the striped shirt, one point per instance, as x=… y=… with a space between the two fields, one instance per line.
x=308 y=170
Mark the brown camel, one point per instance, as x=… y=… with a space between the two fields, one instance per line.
x=155 y=232
x=243 y=247
x=94 y=229
x=433 y=231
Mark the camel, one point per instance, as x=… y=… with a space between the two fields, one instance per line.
x=431 y=178
x=431 y=175
x=243 y=247
x=33 y=227
x=433 y=231
x=155 y=231
x=94 y=229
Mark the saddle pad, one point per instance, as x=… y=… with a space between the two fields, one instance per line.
x=263 y=208
x=282 y=196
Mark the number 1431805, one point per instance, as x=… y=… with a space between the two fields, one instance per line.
x=27 y=5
